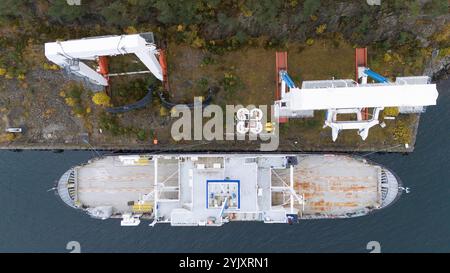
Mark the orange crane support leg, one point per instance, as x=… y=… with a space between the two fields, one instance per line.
x=103 y=65
x=361 y=60
x=103 y=69
x=163 y=63
x=281 y=64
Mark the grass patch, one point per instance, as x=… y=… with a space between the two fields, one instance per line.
x=129 y=89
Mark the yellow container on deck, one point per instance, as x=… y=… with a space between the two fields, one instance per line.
x=142 y=208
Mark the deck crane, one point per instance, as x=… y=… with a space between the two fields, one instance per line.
x=346 y=96
x=71 y=54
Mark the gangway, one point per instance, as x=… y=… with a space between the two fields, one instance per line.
x=222 y=209
x=367 y=72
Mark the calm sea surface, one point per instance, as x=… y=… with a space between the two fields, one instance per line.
x=34 y=220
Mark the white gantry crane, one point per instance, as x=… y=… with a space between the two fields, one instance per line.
x=71 y=54
x=346 y=96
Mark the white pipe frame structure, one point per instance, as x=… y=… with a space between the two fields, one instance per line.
x=339 y=97
x=155 y=184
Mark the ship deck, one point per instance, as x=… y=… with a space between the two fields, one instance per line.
x=335 y=185
x=193 y=190
x=104 y=182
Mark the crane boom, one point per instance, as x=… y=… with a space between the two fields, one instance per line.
x=69 y=54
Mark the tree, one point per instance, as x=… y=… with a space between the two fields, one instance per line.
x=310 y=7
x=115 y=14
x=65 y=13
x=266 y=12
x=101 y=98
x=125 y=13
x=436 y=7
x=11 y=9
x=175 y=12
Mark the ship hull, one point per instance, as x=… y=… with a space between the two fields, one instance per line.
x=213 y=189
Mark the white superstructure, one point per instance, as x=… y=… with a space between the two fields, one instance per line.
x=409 y=94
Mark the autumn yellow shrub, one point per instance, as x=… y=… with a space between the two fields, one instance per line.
x=391 y=111
x=444 y=52
x=245 y=11
x=402 y=132
x=321 y=29
x=443 y=35
x=8 y=76
x=71 y=101
x=101 y=98
x=198 y=42
x=131 y=30
x=293 y=3
x=10 y=137
x=50 y=66
x=163 y=111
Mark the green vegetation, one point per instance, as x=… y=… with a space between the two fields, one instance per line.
x=217 y=25
x=59 y=11
x=443 y=36
x=141 y=135
x=402 y=132
x=127 y=90
x=231 y=83
x=202 y=83
x=208 y=60
x=363 y=26
x=413 y=7
x=436 y=7
x=310 y=7
x=203 y=15
x=12 y=61
x=110 y=123
x=72 y=94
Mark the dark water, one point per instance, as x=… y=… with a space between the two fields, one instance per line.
x=34 y=220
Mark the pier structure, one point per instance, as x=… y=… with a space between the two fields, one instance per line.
x=349 y=104
x=340 y=97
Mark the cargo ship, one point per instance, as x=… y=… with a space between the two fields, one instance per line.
x=213 y=189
